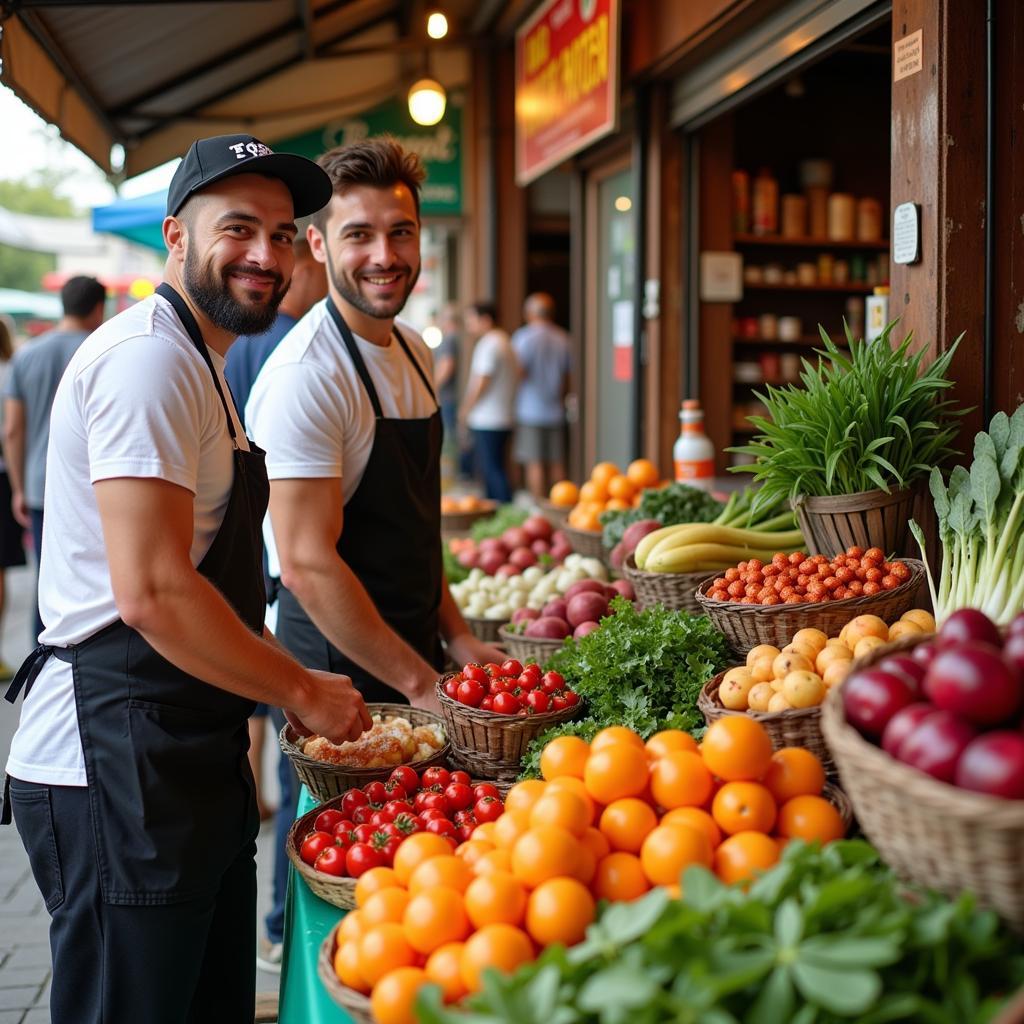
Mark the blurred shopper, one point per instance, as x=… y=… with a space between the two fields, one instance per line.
x=446 y=369
x=488 y=407
x=28 y=397
x=544 y=355
x=12 y=547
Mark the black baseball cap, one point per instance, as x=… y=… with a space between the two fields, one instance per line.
x=219 y=157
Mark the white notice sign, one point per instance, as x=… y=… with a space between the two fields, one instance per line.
x=907 y=58
x=906 y=233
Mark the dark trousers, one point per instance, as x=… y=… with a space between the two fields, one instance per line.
x=289 y=784
x=491 y=447
x=180 y=963
x=37 y=543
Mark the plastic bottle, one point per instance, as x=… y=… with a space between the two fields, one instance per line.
x=693 y=452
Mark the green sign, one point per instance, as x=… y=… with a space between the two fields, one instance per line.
x=439 y=147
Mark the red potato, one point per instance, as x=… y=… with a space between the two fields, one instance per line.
x=586 y=607
x=522 y=558
x=508 y=569
x=556 y=608
x=617 y=556
x=468 y=558
x=516 y=537
x=635 y=532
x=538 y=528
x=584 y=586
x=524 y=615
x=584 y=628
x=493 y=544
x=540 y=547
x=548 y=627
x=560 y=550
x=624 y=589
x=491 y=561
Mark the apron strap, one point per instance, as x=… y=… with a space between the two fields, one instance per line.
x=415 y=362
x=26 y=675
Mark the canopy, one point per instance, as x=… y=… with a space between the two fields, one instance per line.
x=139 y=219
x=30 y=304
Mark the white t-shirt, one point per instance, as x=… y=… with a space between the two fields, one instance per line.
x=494 y=357
x=310 y=411
x=137 y=400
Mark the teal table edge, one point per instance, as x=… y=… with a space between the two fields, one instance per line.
x=308 y=920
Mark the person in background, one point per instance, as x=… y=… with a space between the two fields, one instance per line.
x=12 y=548
x=28 y=397
x=446 y=369
x=488 y=406
x=544 y=355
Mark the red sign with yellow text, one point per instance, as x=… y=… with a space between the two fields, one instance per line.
x=567 y=82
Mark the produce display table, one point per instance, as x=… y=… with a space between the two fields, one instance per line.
x=308 y=919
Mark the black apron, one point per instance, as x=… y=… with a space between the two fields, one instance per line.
x=390 y=538
x=171 y=794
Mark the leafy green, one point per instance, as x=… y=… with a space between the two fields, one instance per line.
x=677 y=503
x=497 y=524
x=827 y=936
x=453 y=572
x=643 y=670
x=873 y=418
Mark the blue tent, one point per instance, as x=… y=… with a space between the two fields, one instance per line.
x=139 y=219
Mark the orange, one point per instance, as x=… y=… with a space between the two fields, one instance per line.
x=444 y=969
x=434 y=917
x=501 y=946
x=417 y=848
x=508 y=828
x=563 y=808
x=346 y=966
x=559 y=910
x=616 y=771
x=472 y=850
x=743 y=807
x=586 y=867
x=810 y=818
x=484 y=831
x=671 y=848
x=383 y=948
x=495 y=898
x=743 y=855
x=680 y=779
x=668 y=741
x=603 y=472
x=596 y=843
x=614 y=734
x=737 y=749
x=523 y=795
x=617 y=505
x=386 y=905
x=569 y=783
x=545 y=852
x=496 y=860
x=621 y=487
x=373 y=881
x=451 y=871
x=394 y=996
x=642 y=473
x=696 y=818
x=625 y=823
x=620 y=876
x=565 y=755
x=351 y=926
x=564 y=494
x=794 y=771
x=592 y=493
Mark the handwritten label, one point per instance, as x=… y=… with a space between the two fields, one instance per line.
x=908 y=58
x=906 y=235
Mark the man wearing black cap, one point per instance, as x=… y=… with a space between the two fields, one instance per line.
x=128 y=775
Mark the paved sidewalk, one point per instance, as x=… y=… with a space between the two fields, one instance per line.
x=24 y=923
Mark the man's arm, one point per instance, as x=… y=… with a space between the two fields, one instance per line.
x=147 y=531
x=307 y=517
x=14 y=452
x=475 y=390
x=463 y=646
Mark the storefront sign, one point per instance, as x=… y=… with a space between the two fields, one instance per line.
x=906 y=234
x=439 y=147
x=907 y=56
x=567 y=82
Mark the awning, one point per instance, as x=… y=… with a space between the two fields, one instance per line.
x=139 y=219
x=30 y=304
x=70 y=236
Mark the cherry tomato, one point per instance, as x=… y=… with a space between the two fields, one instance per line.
x=397 y=807
x=407 y=824
x=436 y=777
x=458 y=795
x=376 y=793
x=493 y=669
x=435 y=801
x=472 y=671
x=418 y=805
x=469 y=692
x=499 y=686
x=533 y=672
x=572 y=698
x=538 y=701
x=430 y=814
x=511 y=667
x=482 y=789
x=380 y=817
x=344 y=834
x=505 y=704
x=462 y=777
x=461 y=817
x=526 y=682
x=487 y=704
x=361 y=857
x=465 y=832
x=331 y=861
x=314 y=844
x=451 y=688
x=364 y=833
x=488 y=808
x=362 y=814
x=441 y=827
x=407 y=778
x=389 y=847
x=395 y=790
x=552 y=681
x=352 y=799
x=326 y=820
x=558 y=701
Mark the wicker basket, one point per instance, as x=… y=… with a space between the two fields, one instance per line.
x=797 y=727
x=556 y=515
x=528 y=648
x=457 y=523
x=674 y=590
x=747 y=625
x=484 y=629
x=928 y=831
x=354 y=1003
x=586 y=542
x=325 y=780
x=339 y=892
x=489 y=745
x=868 y=519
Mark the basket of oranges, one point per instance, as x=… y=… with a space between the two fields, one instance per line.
x=458 y=514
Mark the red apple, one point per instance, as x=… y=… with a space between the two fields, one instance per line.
x=903 y=665
x=902 y=724
x=871 y=697
x=936 y=744
x=972 y=680
x=993 y=763
x=1013 y=651
x=967 y=625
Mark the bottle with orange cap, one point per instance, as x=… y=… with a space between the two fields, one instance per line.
x=693 y=453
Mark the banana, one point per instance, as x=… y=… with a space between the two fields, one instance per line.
x=730 y=536
x=695 y=557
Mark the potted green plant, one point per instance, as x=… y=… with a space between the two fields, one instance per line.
x=850 y=446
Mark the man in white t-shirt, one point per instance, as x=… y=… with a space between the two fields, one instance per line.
x=128 y=775
x=346 y=409
x=489 y=404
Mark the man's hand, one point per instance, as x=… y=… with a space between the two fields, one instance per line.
x=336 y=711
x=20 y=510
x=465 y=648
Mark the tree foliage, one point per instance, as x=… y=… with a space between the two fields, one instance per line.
x=36 y=195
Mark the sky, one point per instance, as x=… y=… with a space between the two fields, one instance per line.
x=31 y=144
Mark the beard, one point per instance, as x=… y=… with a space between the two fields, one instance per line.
x=210 y=290
x=380 y=309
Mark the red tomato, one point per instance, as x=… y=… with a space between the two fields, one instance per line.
x=331 y=861
x=362 y=814
x=407 y=778
x=488 y=808
x=389 y=847
x=537 y=701
x=407 y=824
x=462 y=777
x=364 y=833
x=487 y=704
x=376 y=793
x=436 y=777
x=499 y=686
x=525 y=682
x=393 y=808
x=430 y=814
x=352 y=799
x=441 y=827
x=361 y=857
x=558 y=701
x=326 y=820
x=451 y=688
x=533 y=671
x=469 y=692
x=435 y=801
x=395 y=790
x=314 y=844
x=379 y=818
x=493 y=669
x=465 y=832
x=344 y=834
x=458 y=795
x=482 y=789
x=472 y=671
x=511 y=668
x=572 y=698
x=552 y=681
x=505 y=704
x=461 y=817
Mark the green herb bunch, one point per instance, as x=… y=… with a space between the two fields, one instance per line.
x=495 y=525
x=873 y=418
x=643 y=670
x=677 y=503
x=824 y=937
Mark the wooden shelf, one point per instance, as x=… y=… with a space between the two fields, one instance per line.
x=809 y=243
x=805 y=341
x=851 y=287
